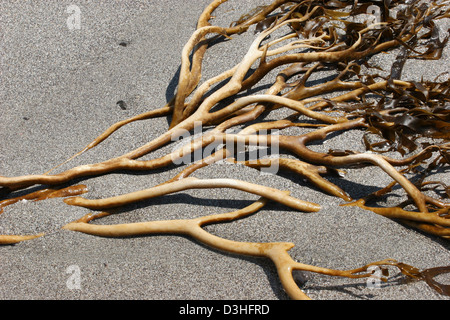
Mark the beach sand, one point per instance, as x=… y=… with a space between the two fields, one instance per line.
x=60 y=88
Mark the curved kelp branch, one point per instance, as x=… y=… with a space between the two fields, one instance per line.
x=13 y=239
x=315 y=59
x=275 y=251
x=194 y=183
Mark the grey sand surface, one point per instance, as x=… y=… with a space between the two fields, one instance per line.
x=59 y=89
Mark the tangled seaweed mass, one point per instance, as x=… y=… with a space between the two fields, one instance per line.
x=404 y=125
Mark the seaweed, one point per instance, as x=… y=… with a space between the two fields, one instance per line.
x=408 y=118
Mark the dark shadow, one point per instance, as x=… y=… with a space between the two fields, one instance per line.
x=172 y=86
x=356 y=190
x=6 y=195
x=181 y=197
x=329 y=136
x=225 y=205
x=229 y=100
x=351 y=289
x=316 y=82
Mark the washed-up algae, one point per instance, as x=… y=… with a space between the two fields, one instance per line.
x=298 y=40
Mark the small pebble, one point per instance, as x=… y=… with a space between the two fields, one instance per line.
x=124 y=43
x=122 y=104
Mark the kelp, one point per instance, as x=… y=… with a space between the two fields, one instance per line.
x=404 y=124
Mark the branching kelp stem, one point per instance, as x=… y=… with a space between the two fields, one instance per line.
x=295 y=42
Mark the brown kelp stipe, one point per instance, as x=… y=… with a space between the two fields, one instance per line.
x=404 y=124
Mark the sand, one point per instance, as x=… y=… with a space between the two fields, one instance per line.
x=60 y=88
